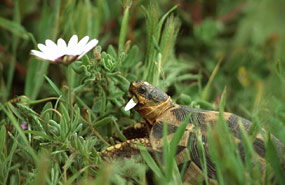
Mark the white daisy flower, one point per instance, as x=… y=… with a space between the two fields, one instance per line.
x=62 y=52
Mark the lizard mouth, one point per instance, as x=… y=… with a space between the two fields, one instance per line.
x=133 y=98
x=132 y=103
x=136 y=97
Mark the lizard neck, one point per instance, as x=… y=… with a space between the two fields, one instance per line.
x=151 y=113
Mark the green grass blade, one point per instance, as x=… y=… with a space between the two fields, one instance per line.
x=34 y=78
x=20 y=131
x=104 y=121
x=2 y=138
x=206 y=92
x=174 y=142
x=8 y=161
x=39 y=134
x=124 y=27
x=251 y=160
x=58 y=92
x=273 y=158
x=161 y=21
x=119 y=132
x=14 y=27
x=202 y=155
x=150 y=162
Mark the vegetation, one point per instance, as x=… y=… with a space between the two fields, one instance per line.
x=215 y=55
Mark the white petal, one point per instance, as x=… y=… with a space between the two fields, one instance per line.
x=130 y=105
x=81 y=44
x=47 y=51
x=61 y=48
x=51 y=44
x=73 y=41
x=36 y=53
x=61 y=44
x=40 y=55
x=72 y=46
x=88 y=47
x=53 y=50
x=43 y=48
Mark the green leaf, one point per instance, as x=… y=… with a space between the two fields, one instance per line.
x=123 y=83
x=120 y=134
x=104 y=121
x=58 y=92
x=76 y=119
x=168 y=39
x=279 y=71
x=45 y=114
x=2 y=138
x=40 y=134
x=149 y=160
x=161 y=21
x=103 y=101
x=6 y=164
x=64 y=122
x=131 y=58
x=111 y=51
x=124 y=28
x=202 y=155
x=273 y=158
x=34 y=79
x=15 y=111
x=14 y=27
x=20 y=131
x=251 y=159
x=176 y=139
x=206 y=90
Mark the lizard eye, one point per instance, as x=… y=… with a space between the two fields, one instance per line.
x=142 y=89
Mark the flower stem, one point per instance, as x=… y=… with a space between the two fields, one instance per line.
x=69 y=83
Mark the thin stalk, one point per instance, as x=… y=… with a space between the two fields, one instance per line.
x=69 y=83
x=124 y=28
x=44 y=100
x=157 y=70
x=205 y=93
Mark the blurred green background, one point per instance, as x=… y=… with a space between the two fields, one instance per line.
x=192 y=49
x=248 y=36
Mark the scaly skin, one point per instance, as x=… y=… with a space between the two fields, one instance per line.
x=156 y=108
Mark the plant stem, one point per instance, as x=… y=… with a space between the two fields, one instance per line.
x=69 y=83
x=124 y=28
